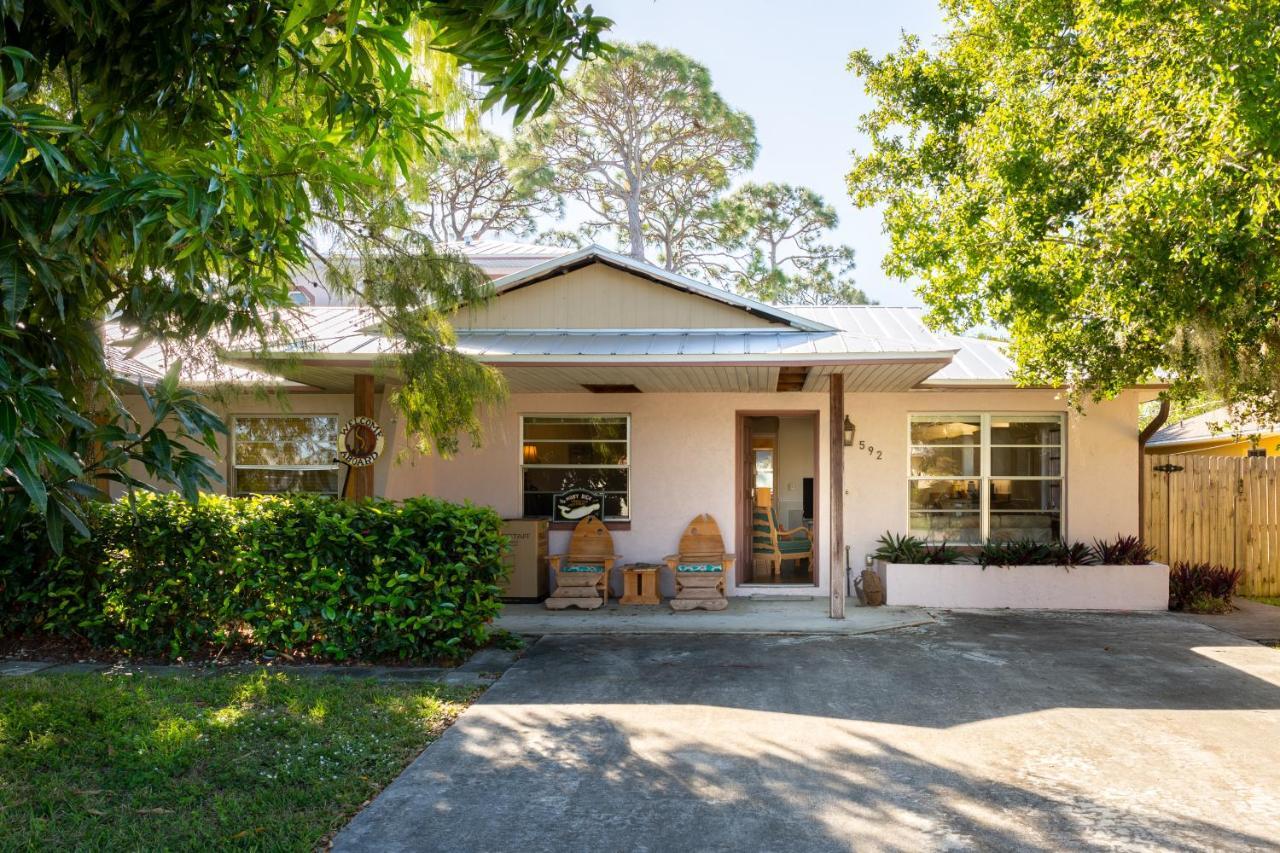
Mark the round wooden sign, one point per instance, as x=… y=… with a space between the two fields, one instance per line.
x=360 y=442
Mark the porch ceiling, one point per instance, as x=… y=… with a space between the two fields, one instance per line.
x=882 y=374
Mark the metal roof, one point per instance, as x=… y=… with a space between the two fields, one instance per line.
x=151 y=362
x=976 y=360
x=1215 y=424
x=507 y=249
x=352 y=331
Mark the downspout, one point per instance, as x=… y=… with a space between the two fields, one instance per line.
x=1143 y=437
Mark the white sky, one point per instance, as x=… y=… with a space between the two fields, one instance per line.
x=784 y=64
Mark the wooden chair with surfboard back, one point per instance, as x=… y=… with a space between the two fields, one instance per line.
x=582 y=575
x=701 y=568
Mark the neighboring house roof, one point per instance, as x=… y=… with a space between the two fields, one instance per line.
x=494 y=258
x=499 y=258
x=1215 y=424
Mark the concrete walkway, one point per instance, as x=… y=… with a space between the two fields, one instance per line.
x=743 y=616
x=1250 y=620
x=984 y=731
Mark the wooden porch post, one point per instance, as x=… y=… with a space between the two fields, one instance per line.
x=836 y=504
x=362 y=478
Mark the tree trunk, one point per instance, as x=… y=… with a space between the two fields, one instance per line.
x=634 y=232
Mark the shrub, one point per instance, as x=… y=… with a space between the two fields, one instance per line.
x=296 y=573
x=1064 y=553
x=1202 y=587
x=1032 y=552
x=1122 y=551
x=1015 y=552
x=912 y=549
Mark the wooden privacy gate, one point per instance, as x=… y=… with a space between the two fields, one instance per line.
x=1216 y=509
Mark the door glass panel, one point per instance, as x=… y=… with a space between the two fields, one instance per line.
x=764 y=469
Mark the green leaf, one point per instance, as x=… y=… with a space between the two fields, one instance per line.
x=30 y=482
x=12 y=149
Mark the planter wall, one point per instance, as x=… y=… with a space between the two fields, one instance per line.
x=1028 y=587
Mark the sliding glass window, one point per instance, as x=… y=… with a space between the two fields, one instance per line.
x=978 y=476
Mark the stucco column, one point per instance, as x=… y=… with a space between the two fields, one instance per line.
x=835 y=570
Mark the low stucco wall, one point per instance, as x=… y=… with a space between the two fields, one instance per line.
x=1143 y=587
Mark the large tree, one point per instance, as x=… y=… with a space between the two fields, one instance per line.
x=1100 y=178
x=168 y=164
x=467 y=190
x=642 y=138
x=775 y=237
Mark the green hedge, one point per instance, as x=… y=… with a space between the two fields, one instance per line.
x=337 y=579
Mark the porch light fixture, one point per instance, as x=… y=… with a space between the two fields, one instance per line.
x=849 y=430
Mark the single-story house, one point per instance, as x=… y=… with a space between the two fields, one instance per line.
x=1216 y=433
x=665 y=398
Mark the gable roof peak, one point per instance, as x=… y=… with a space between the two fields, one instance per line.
x=594 y=253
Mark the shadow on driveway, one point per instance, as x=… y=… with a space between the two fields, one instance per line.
x=988 y=731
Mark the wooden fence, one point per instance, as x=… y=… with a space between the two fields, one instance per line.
x=1216 y=509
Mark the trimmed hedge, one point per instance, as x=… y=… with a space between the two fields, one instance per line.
x=296 y=573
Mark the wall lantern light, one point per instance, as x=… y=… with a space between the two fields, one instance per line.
x=849 y=430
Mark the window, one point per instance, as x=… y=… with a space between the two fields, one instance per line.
x=285 y=453
x=974 y=477
x=562 y=452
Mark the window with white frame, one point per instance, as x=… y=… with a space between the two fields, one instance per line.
x=562 y=452
x=986 y=476
x=271 y=454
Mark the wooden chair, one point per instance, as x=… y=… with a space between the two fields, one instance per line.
x=701 y=568
x=582 y=575
x=776 y=544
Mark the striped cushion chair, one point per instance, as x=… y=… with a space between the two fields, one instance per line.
x=701 y=567
x=768 y=540
x=582 y=575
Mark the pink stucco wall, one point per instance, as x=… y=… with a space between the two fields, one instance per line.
x=683 y=462
x=683 y=449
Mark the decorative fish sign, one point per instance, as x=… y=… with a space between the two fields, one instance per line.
x=577 y=504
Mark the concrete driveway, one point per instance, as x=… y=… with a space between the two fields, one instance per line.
x=984 y=731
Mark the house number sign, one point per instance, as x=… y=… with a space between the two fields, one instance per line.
x=360 y=442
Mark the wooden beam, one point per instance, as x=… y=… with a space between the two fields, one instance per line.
x=792 y=378
x=835 y=507
x=362 y=478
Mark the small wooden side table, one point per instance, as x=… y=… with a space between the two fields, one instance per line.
x=640 y=584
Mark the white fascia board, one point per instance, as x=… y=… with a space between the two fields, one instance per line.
x=678 y=360
x=941 y=357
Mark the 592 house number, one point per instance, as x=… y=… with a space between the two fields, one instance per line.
x=871 y=450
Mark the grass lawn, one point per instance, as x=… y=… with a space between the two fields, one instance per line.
x=262 y=761
x=1265 y=599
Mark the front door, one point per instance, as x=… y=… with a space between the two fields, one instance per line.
x=777 y=464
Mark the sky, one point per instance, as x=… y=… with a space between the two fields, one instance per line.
x=784 y=64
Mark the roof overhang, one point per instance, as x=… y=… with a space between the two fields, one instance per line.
x=573 y=373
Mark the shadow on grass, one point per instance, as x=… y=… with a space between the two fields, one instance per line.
x=133 y=762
